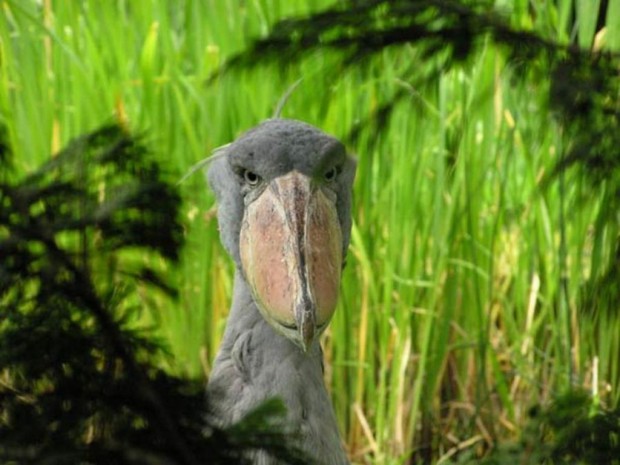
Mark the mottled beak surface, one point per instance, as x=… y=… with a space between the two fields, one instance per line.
x=291 y=254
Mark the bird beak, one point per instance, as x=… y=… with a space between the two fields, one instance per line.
x=291 y=254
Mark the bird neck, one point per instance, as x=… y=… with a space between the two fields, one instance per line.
x=255 y=363
x=245 y=320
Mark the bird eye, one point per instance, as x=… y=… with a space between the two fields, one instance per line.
x=251 y=177
x=330 y=174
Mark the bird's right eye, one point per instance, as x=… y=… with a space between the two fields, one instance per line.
x=332 y=173
x=251 y=178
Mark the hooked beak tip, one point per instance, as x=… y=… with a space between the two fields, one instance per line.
x=307 y=336
x=306 y=318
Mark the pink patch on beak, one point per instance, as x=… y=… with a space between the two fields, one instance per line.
x=291 y=254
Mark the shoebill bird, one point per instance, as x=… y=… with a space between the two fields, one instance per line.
x=284 y=197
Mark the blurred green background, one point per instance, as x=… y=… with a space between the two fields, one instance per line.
x=462 y=302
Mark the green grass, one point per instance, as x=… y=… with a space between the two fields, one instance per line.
x=453 y=319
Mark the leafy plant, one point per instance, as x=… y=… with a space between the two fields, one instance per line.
x=81 y=239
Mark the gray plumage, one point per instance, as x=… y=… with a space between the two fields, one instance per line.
x=255 y=361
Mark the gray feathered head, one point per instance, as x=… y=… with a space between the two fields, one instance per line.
x=284 y=195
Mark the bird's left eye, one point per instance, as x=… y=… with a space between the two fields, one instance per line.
x=331 y=174
x=251 y=177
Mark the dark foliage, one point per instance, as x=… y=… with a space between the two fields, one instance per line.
x=78 y=239
x=573 y=430
x=360 y=29
x=582 y=94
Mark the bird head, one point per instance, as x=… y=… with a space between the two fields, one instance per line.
x=284 y=195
